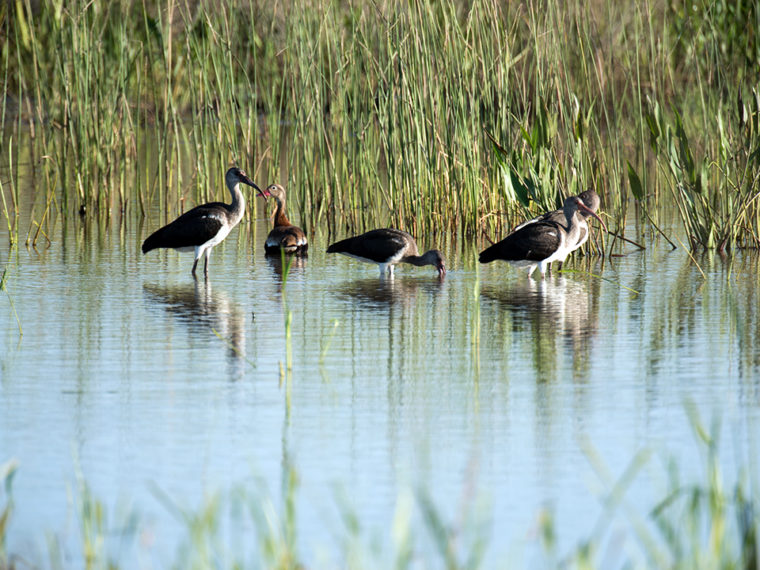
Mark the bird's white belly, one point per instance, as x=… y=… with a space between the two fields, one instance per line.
x=560 y=254
x=360 y=258
x=220 y=235
x=275 y=242
x=390 y=261
x=218 y=238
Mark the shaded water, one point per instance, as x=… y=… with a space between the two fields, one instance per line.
x=486 y=390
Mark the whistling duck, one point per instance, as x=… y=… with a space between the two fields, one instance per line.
x=284 y=235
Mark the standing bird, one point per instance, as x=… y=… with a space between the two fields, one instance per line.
x=387 y=247
x=284 y=235
x=590 y=199
x=540 y=243
x=204 y=226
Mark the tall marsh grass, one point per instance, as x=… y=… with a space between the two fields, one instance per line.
x=380 y=112
x=716 y=190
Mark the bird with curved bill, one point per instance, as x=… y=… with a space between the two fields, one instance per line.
x=590 y=199
x=539 y=243
x=200 y=229
x=284 y=235
x=386 y=247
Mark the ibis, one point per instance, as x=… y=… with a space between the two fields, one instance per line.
x=205 y=226
x=386 y=247
x=589 y=198
x=539 y=243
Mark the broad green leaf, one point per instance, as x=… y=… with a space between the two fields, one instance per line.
x=635 y=182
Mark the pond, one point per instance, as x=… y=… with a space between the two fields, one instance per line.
x=498 y=398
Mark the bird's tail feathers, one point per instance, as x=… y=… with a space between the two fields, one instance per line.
x=487 y=255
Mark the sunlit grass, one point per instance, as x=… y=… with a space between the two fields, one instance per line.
x=380 y=113
x=4 y=287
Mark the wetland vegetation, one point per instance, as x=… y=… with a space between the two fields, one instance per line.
x=435 y=117
x=446 y=119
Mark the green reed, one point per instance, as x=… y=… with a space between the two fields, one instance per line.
x=716 y=194
x=380 y=113
x=9 y=213
x=4 y=287
x=708 y=524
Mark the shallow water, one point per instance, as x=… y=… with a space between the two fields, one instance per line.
x=489 y=391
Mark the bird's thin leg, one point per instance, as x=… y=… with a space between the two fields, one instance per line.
x=205 y=262
x=198 y=253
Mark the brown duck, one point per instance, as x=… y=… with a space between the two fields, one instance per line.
x=284 y=235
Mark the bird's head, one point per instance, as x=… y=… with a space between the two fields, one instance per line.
x=273 y=190
x=590 y=199
x=575 y=203
x=435 y=258
x=237 y=175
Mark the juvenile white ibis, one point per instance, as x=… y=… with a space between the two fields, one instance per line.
x=284 y=235
x=387 y=247
x=204 y=226
x=540 y=243
x=590 y=200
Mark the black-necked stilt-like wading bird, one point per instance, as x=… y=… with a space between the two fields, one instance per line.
x=540 y=243
x=387 y=247
x=204 y=226
x=284 y=235
x=590 y=199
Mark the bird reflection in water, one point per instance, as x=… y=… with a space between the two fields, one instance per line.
x=295 y=263
x=374 y=293
x=205 y=312
x=549 y=313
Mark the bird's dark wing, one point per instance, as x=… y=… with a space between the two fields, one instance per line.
x=556 y=216
x=375 y=245
x=194 y=227
x=533 y=242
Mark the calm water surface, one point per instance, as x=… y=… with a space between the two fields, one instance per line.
x=489 y=391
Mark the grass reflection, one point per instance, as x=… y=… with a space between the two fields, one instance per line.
x=708 y=523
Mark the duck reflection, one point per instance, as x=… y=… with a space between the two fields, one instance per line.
x=377 y=293
x=297 y=264
x=549 y=313
x=204 y=311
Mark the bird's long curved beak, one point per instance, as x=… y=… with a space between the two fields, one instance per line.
x=441 y=271
x=246 y=180
x=590 y=212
